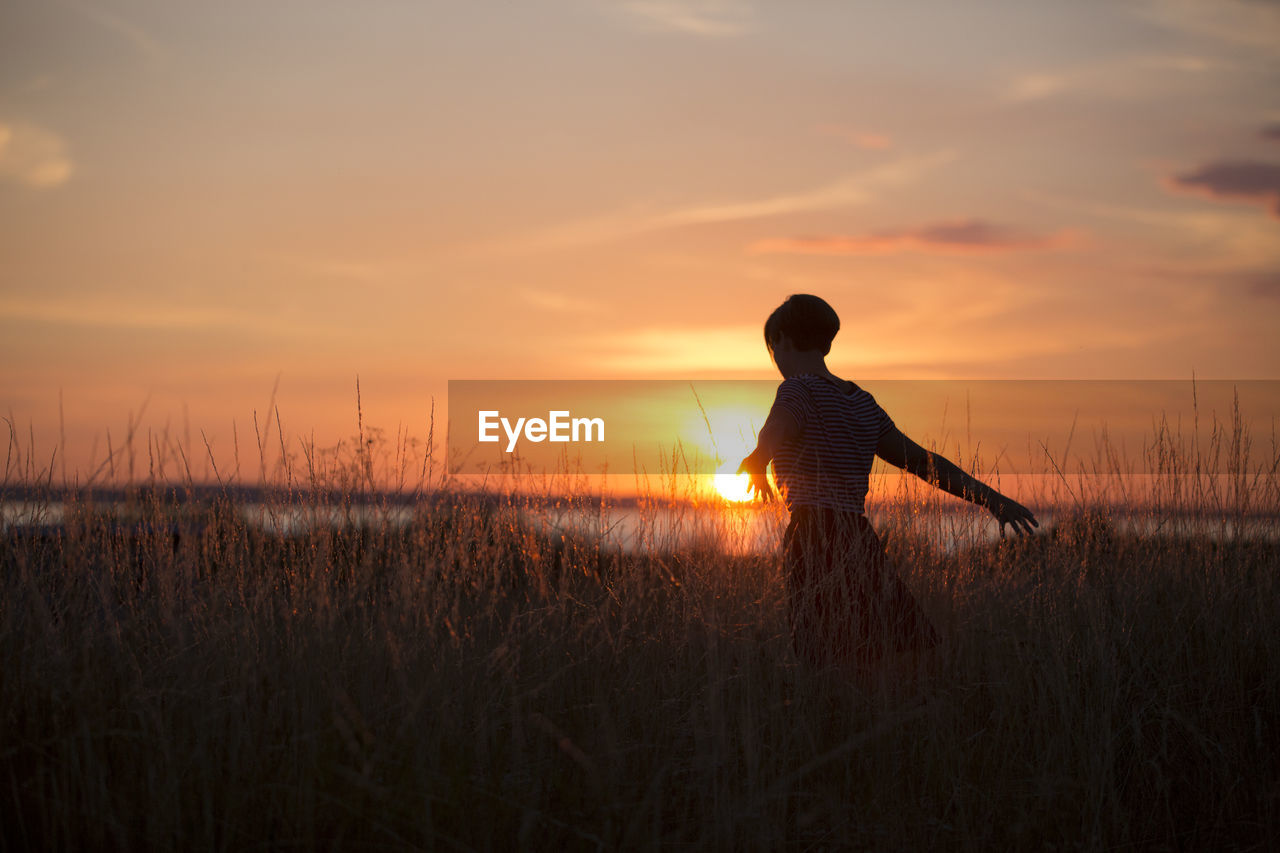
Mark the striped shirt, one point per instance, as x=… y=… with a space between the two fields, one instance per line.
x=829 y=463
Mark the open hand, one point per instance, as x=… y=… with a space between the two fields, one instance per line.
x=1008 y=511
x=758 y=471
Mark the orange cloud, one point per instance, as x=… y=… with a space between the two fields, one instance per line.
x=33 y=155
x=963 y=236
x=861 y=138
x=716 y=18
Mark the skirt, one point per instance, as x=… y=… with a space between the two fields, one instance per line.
x=847 y=606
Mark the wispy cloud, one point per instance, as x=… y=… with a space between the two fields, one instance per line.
x=138 y=39
x=1243 y=180
x=319 y=266
x=852 y=190
x=33 y=155
x=559 y=302
x=870 y=140
x=1213 y=240
x=1240 y=22
x=986 y=334
x=1128 y=77
x=98 y=314
x=714 y=18
x=964 y=236
x=664 y=350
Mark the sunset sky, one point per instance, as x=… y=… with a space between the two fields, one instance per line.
x=200 y=200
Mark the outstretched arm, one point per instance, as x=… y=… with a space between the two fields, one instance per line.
x=779 y=428
x=900 y=451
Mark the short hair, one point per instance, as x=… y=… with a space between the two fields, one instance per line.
x=807 y=321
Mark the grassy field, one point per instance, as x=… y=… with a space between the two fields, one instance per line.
x=176 y=677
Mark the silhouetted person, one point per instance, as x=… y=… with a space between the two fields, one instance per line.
x=847 y=606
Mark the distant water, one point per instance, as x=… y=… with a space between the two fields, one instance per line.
x=750 y=531
x=731 y=529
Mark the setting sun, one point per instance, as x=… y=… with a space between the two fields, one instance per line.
x=731 y=486
x=725 y=428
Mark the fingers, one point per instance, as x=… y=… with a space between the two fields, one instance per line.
x=762 y=489
x=1016 y=516
x=1023 y=522
x=759 y=479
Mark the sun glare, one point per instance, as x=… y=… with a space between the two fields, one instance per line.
x=724 y=429
x=733 y=487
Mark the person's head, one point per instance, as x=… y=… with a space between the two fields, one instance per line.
x=804 y=323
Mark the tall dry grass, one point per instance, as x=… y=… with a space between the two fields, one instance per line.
x=455 y=672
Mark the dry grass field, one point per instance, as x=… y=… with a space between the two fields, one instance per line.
x=459 y=675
